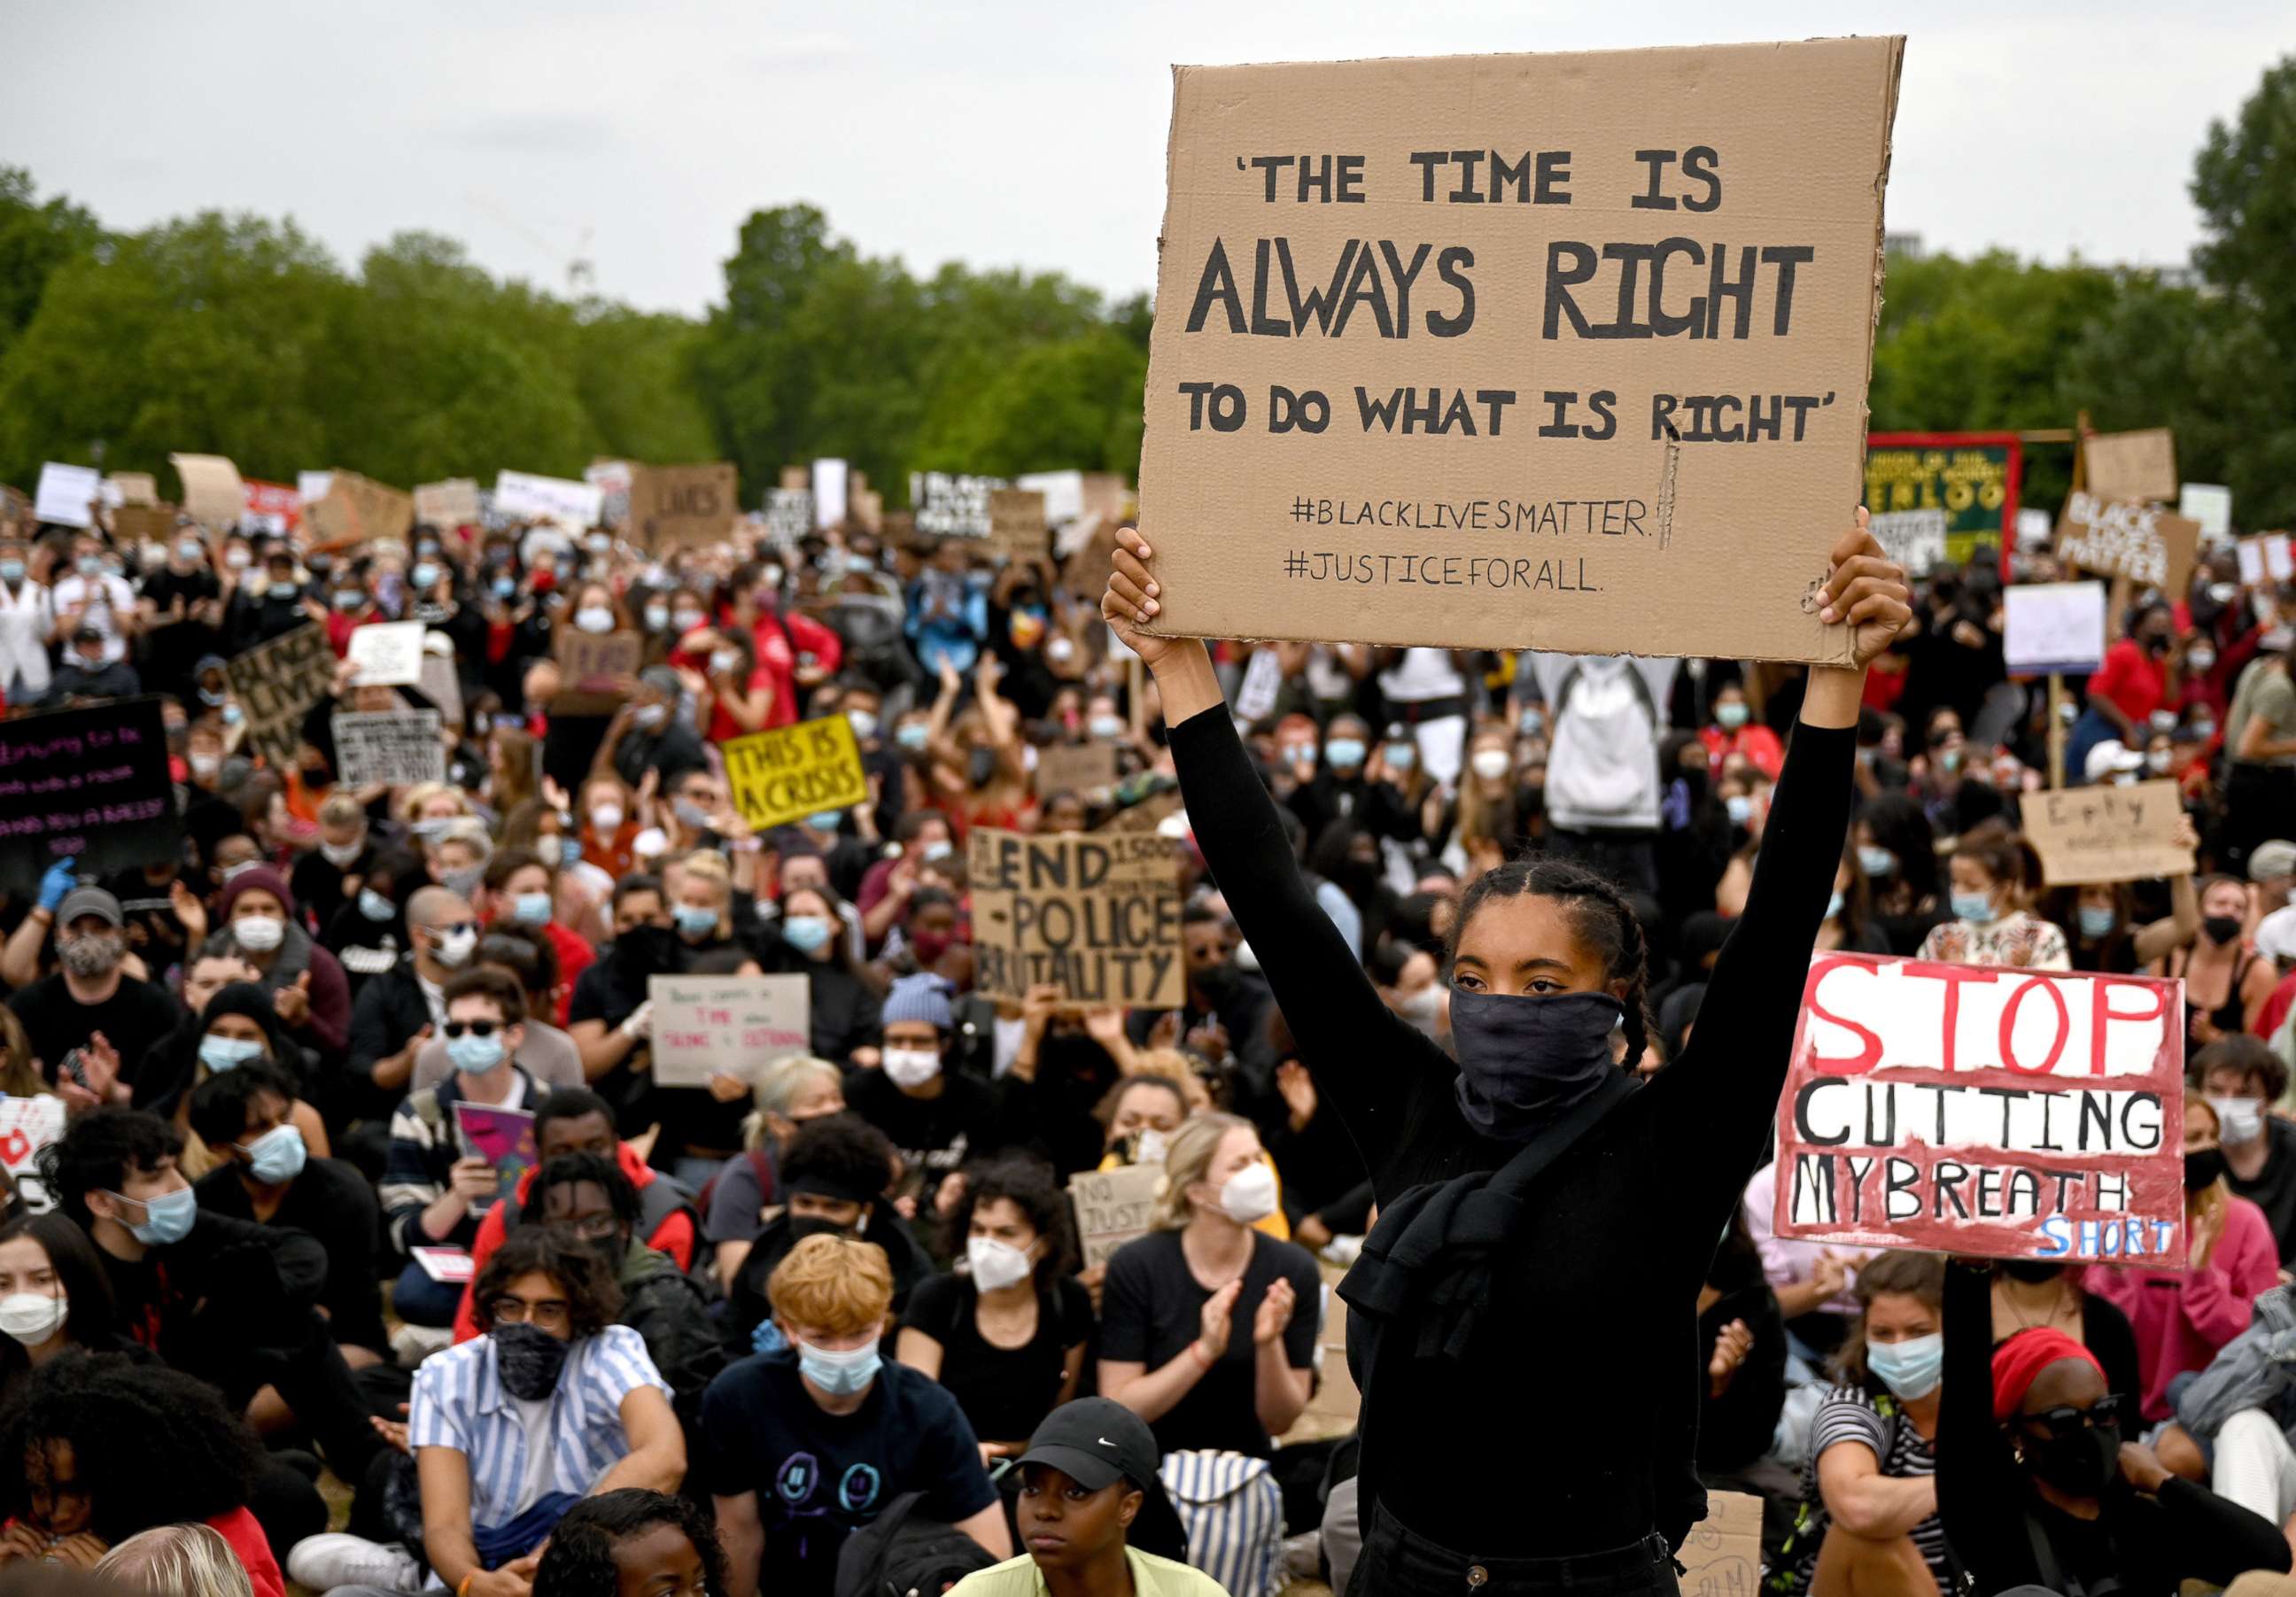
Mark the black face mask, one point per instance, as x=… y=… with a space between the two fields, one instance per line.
x=1523 y=1061
x=813 y=1225
x=531 y=1360
x=2221 y=930
x=1216 y=983
x=2030 y=1271
x=2081 y=1465
x=980 y=766
x=2203 y=1168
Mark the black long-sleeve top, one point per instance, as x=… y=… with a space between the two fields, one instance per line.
x=2150 y=1545
x=1569 y=1425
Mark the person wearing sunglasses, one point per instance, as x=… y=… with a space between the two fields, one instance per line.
x=436 y=1187
x=2037 y=1486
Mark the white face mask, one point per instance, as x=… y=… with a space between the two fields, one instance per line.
x=1249 y=1196
x=1152 y=1147
x=911 y=1067
x=2241 y=1120
x=260 y=934
x=453 y=949
x=606 y=819
x=595 y=619
x=996 y=1264
x=1489 y=764
x=341 y=854
x=32 y=1318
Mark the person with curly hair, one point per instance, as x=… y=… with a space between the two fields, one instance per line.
x=633 y=1544
x=555 y=1402
x=109 y=1447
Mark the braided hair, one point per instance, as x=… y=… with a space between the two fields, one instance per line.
x=579 y=1561
x=1601 y=917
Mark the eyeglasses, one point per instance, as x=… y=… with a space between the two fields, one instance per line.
x=456 y=930
x=591 y=1228
x=477 y=1029
x=513 y=1311
x=2068 y=1421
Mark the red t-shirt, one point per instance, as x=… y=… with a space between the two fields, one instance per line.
x=2133 y=679
x=252 y=1549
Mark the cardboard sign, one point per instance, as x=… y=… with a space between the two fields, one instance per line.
x=948 y=506
x=133 y=488
x=777 y=776
x=2278 y=564
x=87 y=784
x=789 y=515
x=1079 y=768
x=611 y=479
x=357 y=510
x=389 y=654
x=571 y=506
x=441 y=685
x=393 y=747
x=2053 y=626
x=2210 y=504
x=1722 y=1555
x=705 y=1026
x=674 y=507
x=1959 y=486
x=276 y=684
x=503 y=1137
x=597 y=670
x=143 y=523
x=2131 y=465
x=1017 y=528
x=2121 y=537
x=1096 y=914
x=454 y=502
x=67 y=494
x=1984 y=1110
x=2107 y=833
x=1113 y=1207
x=213 y=495
x=1512 y=351
x=2249 y=552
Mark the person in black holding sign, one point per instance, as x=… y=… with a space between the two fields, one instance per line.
x=1471 y=1292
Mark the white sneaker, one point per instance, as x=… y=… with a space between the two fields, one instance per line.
x=410 y=1344
x=334 y=1559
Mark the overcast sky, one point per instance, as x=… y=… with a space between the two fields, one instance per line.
x=999 y=132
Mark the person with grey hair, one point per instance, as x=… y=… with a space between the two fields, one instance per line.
x=788 y=1094
x=177 y=1560
x=650 y=733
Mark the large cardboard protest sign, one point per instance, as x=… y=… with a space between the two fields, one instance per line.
x=2053 y=626
x=1094 y=914
x=2123 y=538
x=2131 y=465
x=1508 y=350
x=706 y=1026
x=276 y=684
x=1985 y=1109
x=1722 y=1555
x=573 y=507
x=453 y=502
x=393 y=747
x=1944 y=497
x=67 y=494
x=389 y=654
x=2107 y=833
x=672 y=507
x=143 y=523
x=813 y=767
x=132 y=487
x=1079 y=768
x=359 y=509
x=213 y=495
x=1017 y=528
x=1113 y=1207
x=597 y=670
x=87 y=784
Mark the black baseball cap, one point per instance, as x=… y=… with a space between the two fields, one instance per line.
x=1095 y=1442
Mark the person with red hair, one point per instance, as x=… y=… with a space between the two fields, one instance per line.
x=2037 y=1485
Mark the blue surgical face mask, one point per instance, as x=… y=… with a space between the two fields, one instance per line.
x=2097 y=924
x=1876 y=862
x=1730 y=716
x=1911 y=1369
x=1741 y=808
x=914 y=735
x=426 y=577
x=227 y=1054
x=1974 y=907
x=1343 y=753
x=570 y=850
x=826 y=820
x=838 y=1374
x=1107 y=728
x=232 y=715
x=505 y=586
x=531 y=909
x=475 y=1055
x=276 y=1156
x=1401 y=757
x=657 y=618
x=12 y=570
x=374 y=906
x=167 y=1218
x=1833 y=907
x=807 y=934
x=695 y=923
x=1530 y=723
x=91 y=565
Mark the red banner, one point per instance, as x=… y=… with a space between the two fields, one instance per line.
x=276 y=501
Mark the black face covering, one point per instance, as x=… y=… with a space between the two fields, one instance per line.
x=2031 y=1271
x=2221 y=930
x=813 y=1225
x=2203 y=1168
x=1216 y=983
x=2082 y=1465
x=531 y=1360
x=1523 y=1061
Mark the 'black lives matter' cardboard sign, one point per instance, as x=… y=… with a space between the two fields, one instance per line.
x=276 y=684
x=1565 y=351
x=90 y=785
x=1095 y=914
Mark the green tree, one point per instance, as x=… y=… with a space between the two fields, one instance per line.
x=34 y=239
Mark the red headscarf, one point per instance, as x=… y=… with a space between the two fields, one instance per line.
x=2019 y=1360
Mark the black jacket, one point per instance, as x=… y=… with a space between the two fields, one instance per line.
x=669 y=1309
x=389 y=1010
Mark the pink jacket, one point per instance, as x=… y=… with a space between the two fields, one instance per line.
x=2183 y=1317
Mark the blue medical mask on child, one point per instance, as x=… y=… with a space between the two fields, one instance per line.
x=1975 y=907
x=167 y=1218
x=838 y=1374
x=229 y=1053
x=1911 y=1369
x=2096 y=923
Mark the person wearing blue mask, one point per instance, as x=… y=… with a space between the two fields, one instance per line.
x=2103 y=933
x=216 y=1295
x=802 y=1446
x=437 y=1186
x=843 y=1014
x=1869 y=1515
x=1990 y=925
x=267 y=1172
x=90 y=596
x=236 y=1027
x=1345 y=786
x=522 y=895
x=650 y=733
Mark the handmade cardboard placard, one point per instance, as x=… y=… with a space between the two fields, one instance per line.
x=1722 y=1555
x=2131 y=465
x=1985 y=1109
x=358 y=510
x=2053 y=626
x=1095 y=914
x=276 y=684
x=2124 y=538
x=389 y=654
x=1113 y=1207
x=394 y=747
x=87 y=784
x=672 y=507
x=133 y=488
x=611 y=479
x=951 y=507
x=1518 y=350
x=442 y=686
x=2107 y=833
x=67 y=496
x=449 y=504
x=1078 y=768
x=573 y=507
x=213 y=495
x=1017 y=528
x=812 y=767
x=730 y=1025
x=143 y=523
x=597 y=670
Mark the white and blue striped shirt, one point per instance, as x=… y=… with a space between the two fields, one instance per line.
x=459 y=1403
